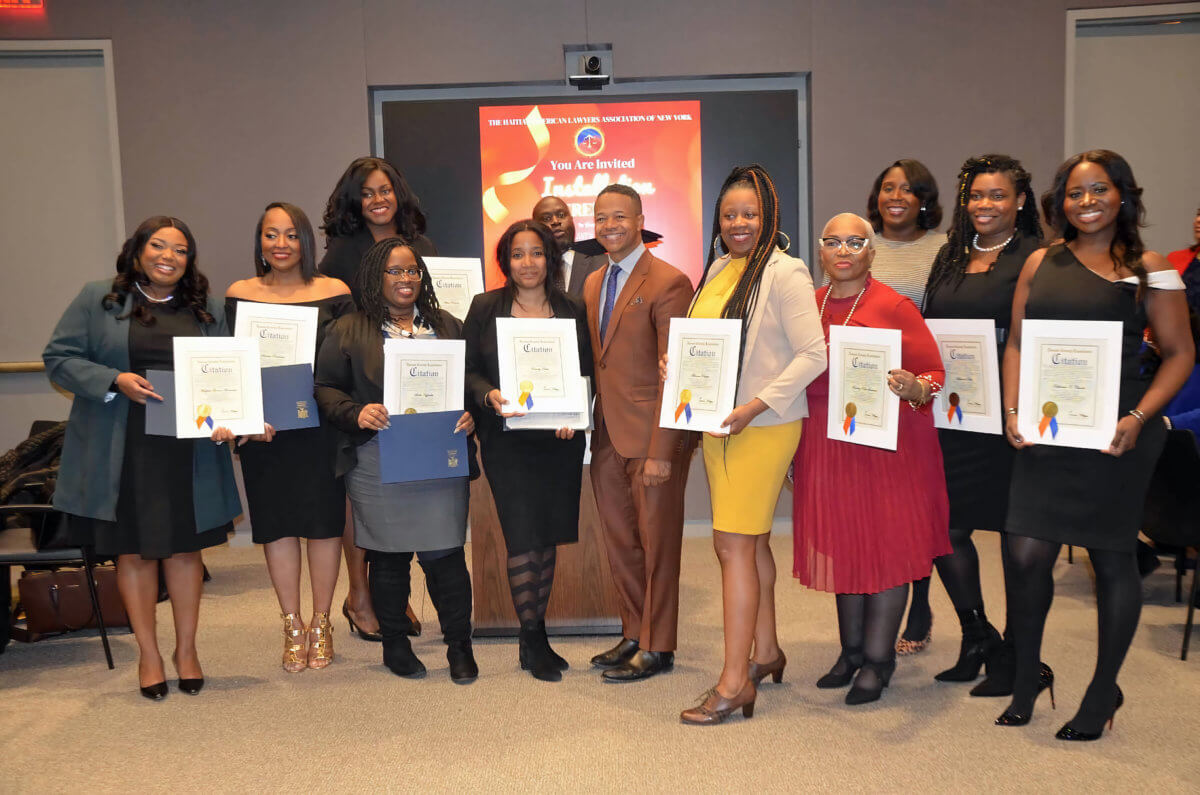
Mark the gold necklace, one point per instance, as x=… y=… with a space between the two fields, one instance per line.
x=853 y=306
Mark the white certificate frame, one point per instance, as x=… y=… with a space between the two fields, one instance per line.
x=250 y=312
x=1103 y=339
x=399 y=352
x=576 y=420
x=511 y=329
x=883 y=343
x=242 y=354
x=469 y=269
x=957 y=337
x=720 y=336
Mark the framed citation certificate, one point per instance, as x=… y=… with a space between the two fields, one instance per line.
x=421 y=376
x=1070 y=382
x=218 y=382
x=970 y=399
x=456 y=280
x=539 y=365
x=702 y=363
x=286 y=334
x=862 y=410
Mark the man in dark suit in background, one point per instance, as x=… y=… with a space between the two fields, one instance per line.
x=639 y=470
x=554 y=213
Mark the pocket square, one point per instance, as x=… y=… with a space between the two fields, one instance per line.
x=637 y=300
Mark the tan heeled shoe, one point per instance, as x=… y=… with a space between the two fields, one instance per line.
x=295 y=643
x=320 y=641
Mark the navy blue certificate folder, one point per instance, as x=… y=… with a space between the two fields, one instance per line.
x=288 y=401
x=160 y=416
x=422 y=447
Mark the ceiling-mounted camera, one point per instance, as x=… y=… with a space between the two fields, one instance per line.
x=588 y=66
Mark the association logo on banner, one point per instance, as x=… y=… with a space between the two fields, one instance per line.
x=589 y=141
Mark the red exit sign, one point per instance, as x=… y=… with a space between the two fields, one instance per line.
x=21 y=4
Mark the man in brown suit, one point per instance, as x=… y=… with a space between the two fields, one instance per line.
x=638 y=469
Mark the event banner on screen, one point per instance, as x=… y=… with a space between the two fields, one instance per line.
x=574 y=151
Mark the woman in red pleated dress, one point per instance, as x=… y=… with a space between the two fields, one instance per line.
x=869 y=521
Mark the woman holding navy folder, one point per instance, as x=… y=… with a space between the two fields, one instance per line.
x=137 y=497
x=535 y=475
x=394 y=520
x=290 y=483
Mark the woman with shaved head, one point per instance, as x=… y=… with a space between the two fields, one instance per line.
x=868 y=521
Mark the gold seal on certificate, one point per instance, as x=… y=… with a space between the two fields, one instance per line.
x=422 y=376
x=702 y=361
x=539 y=369
x=970 y=397
x=1070 y=382
x=539 y=364
x=861 y=408
x=218 y=383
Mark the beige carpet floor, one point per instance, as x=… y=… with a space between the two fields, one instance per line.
x=69 y=724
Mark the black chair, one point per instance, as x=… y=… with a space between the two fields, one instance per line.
x=18 y=547
x=1172 y=517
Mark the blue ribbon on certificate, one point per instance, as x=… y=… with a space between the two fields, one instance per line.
x=422 y=447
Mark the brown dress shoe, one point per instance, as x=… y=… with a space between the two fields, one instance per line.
x=714 y=708
x=774 y=669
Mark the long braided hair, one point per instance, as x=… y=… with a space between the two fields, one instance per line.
x=370 y=285
x=950 y=265
x=1126 y=248
x=740 y=305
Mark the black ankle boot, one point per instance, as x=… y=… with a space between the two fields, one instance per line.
x=449 y=587
x=535 y=654
x=390 y=584
x=848 y=663
x=1001 y=672
x=979 y=641
x=561 y=663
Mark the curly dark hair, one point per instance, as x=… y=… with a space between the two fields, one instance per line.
x=370 y=285
x=1126 y=248
x=923 y=186
x=308 y=241
x=190 y=291
x=554 y=263
x=951 y=261
x=343 y=212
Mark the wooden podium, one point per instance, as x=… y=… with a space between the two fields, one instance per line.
x=583 y=601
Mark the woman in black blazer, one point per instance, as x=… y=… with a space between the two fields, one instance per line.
x=394 y=520
x=535 y=476
x=370 y=202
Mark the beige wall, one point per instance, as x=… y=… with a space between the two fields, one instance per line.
x=225 y=105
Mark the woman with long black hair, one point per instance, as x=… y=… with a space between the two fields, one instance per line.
x=783 y=350
x=1090 y=498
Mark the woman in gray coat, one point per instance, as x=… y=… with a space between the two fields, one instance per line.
x=136 y=497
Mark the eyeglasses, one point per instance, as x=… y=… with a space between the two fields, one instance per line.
x=853 y=244
x=412 y=273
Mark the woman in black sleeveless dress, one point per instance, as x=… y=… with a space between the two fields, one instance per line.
x=995 y=229
x=1090 y=498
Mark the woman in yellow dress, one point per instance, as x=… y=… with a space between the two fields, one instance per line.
x=783 y=349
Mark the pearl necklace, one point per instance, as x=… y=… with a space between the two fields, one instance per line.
x=151 y=298
x=853 y=306
x=987 y=249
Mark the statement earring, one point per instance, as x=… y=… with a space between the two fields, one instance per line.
x=787 y=241
x=265 y=264
x=715 y=243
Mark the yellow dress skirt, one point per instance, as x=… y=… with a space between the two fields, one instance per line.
x=745 y=471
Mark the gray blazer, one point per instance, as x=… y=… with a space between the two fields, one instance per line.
x=785 y=344
x=88 y=349
x=581 y=268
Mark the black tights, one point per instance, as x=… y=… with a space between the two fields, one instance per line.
x=1119 y=605
x=530 y=577
x=870 y=622
x=959 y=571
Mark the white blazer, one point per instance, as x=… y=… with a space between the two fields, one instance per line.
x=785 y=345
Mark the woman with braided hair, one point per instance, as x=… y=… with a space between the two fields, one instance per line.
x=782 y=352
x=994 y=230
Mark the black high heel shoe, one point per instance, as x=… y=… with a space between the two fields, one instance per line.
x=1045 y=682
x=189 y=686
x=377 y=637
x=842 y=672
x=883 y=673
x=155 y=692
x=1068 y=733
x=979 y=644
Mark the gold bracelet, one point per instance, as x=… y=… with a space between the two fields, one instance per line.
x=1139 y=415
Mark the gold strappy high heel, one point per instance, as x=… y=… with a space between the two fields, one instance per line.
x=320 y=641
x=295 y=643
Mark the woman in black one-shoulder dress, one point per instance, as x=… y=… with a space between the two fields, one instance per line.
x=1090 y=498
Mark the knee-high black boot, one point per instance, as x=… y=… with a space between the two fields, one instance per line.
x=449 y=587
x=390 y=584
